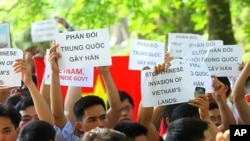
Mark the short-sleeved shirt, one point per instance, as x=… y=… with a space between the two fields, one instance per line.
x=66 y=134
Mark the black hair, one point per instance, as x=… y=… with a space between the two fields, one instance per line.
x=226 y=81
x=24 y=103
x=131 y=129
x=185 y=110
x=13 y=100
x=213 y=105
x=85 y=102
x=123 y=96
x=167 y=112
x=186 y=129
x=37 y=130
x=12 y=113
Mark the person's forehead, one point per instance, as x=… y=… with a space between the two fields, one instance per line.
x=29 y=110
x=94 y=111
x=5 y=122
x=126 y=101
x=141 y=138
x=213 y=111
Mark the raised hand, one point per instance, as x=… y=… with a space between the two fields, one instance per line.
x=53 y=58
x=202 y=103
x=161 y=67
x=21 y=66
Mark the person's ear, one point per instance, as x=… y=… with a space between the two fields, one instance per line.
x=18 y=130
x=78 y=125
x=168 y=120
x=226 y=88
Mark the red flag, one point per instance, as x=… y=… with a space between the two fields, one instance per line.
x=126 y=80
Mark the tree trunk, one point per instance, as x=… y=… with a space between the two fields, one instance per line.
x=219 y=21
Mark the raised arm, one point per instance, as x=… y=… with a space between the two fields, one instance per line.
x=145 y=118
x=238 y=94
x=55 y=89
x=157 y=115
x=72 y=96
x=202 y=103
x=45 y=90
x=227 y=117
x=146 y=115
x=41 y=106
x=114 y=112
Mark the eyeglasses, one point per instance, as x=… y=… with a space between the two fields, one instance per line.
x=127 y=108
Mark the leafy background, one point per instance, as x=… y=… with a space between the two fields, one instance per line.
x=126 y=19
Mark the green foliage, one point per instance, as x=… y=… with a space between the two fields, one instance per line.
x=148 y=19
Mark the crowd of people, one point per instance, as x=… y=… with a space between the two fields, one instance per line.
x=41 y=115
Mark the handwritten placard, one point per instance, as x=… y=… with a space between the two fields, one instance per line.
x=201 y=76
x=79 y=77
x=145 y=53
x=7 y=75
x=224 y=60
x=82 y=49
x=44 y=30
x=169 y=87
x=178 y=43
x=197 y=50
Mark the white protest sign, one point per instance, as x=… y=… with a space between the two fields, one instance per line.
x=81 y=77
x=170 y=87
x=178 y=43
x=5 y=35
x=201 y=76
x=197 y=50
x=82 y=49
x=145 y=53
x=44 y=30
x=7 y=59
x=224 y=60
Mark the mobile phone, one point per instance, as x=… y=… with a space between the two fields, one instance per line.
x=199 y=91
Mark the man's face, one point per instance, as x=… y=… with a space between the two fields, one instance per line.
x=8 y=132
x=29 y=114
x=127 y=111
x=214 y=115
x=141 y=138
x=94 y=116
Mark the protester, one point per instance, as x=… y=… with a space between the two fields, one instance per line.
x=167 y=117
x=241 y=88
x=9 y=122
x=221 y=86
x=90 y=111
x=188 y=129
x=37 y=131
x=133 y=131
x=202 y=103
x=127 y=106
x=214 y=114
x=36 y=107
x=103 y=134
